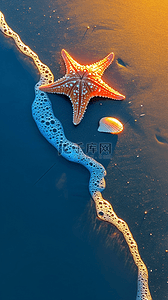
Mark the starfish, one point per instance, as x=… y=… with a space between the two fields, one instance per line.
x=81 y=83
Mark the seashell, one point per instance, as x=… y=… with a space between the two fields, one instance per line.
x=111 y=125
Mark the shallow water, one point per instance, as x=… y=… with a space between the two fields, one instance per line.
x=45 y=256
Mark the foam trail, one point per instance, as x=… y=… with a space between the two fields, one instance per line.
x=51 y=128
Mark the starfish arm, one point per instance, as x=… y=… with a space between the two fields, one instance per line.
x=99 y=88
x=78 y=112
x=61 y=86
x=100 y=66
x=80 y=97
x=71 y=65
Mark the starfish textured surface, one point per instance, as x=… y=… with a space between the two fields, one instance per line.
x=81 y=83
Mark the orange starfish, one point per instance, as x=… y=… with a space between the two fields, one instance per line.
x=81 y=83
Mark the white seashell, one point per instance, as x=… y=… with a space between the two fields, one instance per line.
x=111 y=125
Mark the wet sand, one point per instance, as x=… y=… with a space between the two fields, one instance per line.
x=36 y=240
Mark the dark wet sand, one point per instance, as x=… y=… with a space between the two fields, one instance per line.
x=52 y=245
